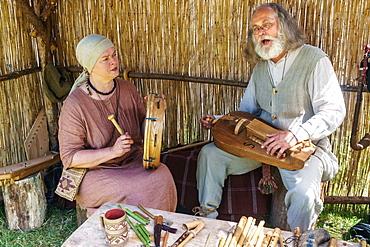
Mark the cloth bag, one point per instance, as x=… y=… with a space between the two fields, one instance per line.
x=58 y=82
x=69 y=182
x=361 y=230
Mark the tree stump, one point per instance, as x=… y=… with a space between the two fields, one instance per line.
x=25 y=203
x=278 y=212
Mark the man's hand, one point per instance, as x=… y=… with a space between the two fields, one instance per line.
x=206 y=121
x=279 y=142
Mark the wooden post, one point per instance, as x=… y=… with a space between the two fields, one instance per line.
x=25 y=203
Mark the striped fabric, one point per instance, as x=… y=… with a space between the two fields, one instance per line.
x=241 y=196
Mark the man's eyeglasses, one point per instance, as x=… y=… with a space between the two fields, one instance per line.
x=265 y=26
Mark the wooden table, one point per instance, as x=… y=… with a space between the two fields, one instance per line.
x=91 y=234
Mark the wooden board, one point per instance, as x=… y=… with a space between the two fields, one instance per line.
x=37 y=141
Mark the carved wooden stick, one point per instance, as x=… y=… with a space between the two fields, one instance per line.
x=165 y=239
x=260 y=238
x=297 y=235
x=282 y=242
x=333 y=242
x=275 y=237
x=196 y=226
x=266 y=239
x=238 y=231
x=246 y=230
x=111 y=118
x=257 y=232
x=221 y=242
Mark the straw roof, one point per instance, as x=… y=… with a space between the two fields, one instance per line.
x=191 y=38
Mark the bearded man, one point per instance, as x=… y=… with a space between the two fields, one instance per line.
x=294 y=87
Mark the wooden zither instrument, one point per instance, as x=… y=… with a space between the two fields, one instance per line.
x=242 y=134
x=155 y=117
x=9 y=174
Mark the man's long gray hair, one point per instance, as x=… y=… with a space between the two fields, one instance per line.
x=294 y=36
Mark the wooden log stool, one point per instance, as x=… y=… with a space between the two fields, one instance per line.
x=24 y=192
x=25 y=203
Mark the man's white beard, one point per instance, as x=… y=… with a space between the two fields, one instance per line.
x=273 y=51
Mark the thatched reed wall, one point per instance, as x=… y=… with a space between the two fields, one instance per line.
x=194 y=38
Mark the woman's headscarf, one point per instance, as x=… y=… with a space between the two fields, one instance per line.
x=88 y=51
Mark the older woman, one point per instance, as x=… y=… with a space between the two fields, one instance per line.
x=89 y=140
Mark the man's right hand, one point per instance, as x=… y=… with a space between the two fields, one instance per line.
x=206 y=121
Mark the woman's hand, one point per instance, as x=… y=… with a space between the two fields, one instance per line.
x=206 y=121
x=122 y=145
x=279 y=142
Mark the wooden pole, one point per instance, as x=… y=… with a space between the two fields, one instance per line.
x=177 y=77
x=346 y=200
x=20 y=73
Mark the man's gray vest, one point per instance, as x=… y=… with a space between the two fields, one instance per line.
x=289 y=104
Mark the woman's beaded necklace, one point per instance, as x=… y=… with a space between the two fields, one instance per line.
x=97 y=91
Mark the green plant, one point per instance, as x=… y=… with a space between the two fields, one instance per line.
x=58 y=226
x=338 y=220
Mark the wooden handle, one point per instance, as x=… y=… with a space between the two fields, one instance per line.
x=165 y=239
x=111 y=118
x=333 y=242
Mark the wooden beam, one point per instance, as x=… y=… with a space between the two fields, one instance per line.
x=177 y=77
x=346 y=200
x=20 y=73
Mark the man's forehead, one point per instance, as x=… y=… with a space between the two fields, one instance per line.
x=262 y=15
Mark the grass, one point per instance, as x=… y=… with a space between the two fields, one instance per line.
x=60 y=224
x=338 y=220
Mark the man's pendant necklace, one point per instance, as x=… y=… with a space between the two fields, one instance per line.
x=274 y=90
